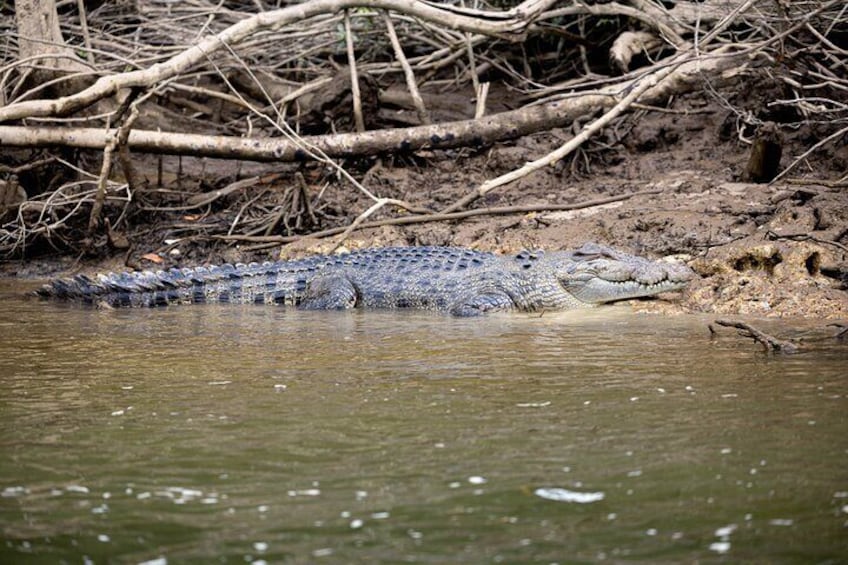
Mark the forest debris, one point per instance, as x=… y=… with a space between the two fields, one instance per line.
x=497 y=127
x=294 y=56
x=419 y=218
x=510 y=24
x=771 y=343
x=295 y=210
x=663 y=78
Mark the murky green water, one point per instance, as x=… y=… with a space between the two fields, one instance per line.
x=258 y=434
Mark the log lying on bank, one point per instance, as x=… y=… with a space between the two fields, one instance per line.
x=476 y=132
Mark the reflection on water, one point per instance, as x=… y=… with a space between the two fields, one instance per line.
x=259 y=434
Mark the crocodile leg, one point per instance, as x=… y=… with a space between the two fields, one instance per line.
x=491 y=301
x=330 y=292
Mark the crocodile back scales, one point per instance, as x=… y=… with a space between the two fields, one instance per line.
x=279 y=282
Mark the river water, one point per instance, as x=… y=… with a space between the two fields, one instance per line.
x=259 y=434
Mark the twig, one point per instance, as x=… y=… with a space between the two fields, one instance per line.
x=841 y=183
x=200 y=200
x=682 y=112
x=26 y=166
x=359 y=219
x=354 y=77
x=806 y=153
x=100 y=196
x=805 y=237
x=480 y=106
x=842 y=330
x=747 y=330
x=408 y=74
x=441 y=217
x=124 y=156
x=472 y=64
x=118 y=138
x=575 y=142
x=89 y=54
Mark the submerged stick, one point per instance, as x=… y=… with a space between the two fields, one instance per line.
x=771 y=343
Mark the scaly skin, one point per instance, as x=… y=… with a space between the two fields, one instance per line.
x=449 y=279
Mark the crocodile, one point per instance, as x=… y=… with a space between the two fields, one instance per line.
x=455 y=280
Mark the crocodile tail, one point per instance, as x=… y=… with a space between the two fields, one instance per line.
x=255 y=282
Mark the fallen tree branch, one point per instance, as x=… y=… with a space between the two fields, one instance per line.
x=358 y=119
x=747 y=330
x=408 y=73
x=479 y=132
x=648 y=82
x=117 y=142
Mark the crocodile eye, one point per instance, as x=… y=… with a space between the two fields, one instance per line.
x=586 y=256
x=592 y=251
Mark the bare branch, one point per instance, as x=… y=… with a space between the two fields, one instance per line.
x=506 y=125
x=769 y=342
x=511 y=27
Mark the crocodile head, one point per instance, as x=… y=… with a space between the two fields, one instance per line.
x=595 y=274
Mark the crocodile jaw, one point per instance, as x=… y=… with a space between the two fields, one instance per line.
x=597 y=290
x=598 y=281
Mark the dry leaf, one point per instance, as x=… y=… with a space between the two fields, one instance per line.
x=153 y=257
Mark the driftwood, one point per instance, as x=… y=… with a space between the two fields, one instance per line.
x=770 y=343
